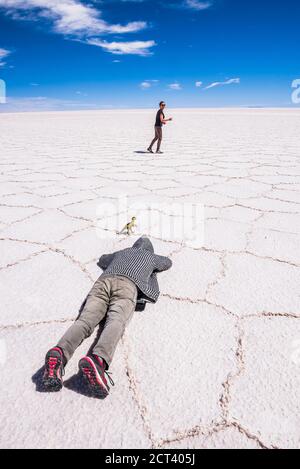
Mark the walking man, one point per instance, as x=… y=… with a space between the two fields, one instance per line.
x=159 y=122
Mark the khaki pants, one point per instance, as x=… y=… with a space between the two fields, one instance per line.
x=111 y=296
x=158 y=138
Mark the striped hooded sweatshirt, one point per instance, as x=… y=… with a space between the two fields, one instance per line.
x=139 y=264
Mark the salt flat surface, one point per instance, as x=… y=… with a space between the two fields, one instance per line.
x=215 y=363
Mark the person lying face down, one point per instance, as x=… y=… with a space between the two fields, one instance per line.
x=127 y=283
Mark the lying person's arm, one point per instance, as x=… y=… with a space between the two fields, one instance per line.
x=162 y=263
x=105 y=260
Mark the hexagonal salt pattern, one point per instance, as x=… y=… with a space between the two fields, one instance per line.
x=215 y=363
x=269 y=381
x=219 y=438
x=44 y=287
x=188 y=354
x=69 y=419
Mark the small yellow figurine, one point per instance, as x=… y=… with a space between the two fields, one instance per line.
x=129 y=227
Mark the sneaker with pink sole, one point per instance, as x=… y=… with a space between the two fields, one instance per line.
x=93 y=370
x=54 y=370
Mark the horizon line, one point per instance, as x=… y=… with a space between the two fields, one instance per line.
x=241 y=107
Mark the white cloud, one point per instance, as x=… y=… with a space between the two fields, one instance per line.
x=222 y=83
x=175 y=86
x=3 y=54
x=197 y=5
x=232 y=81
x=198 y=84
x=70 y=16
x=121 y=48
x=145 y=85
x=79 y=20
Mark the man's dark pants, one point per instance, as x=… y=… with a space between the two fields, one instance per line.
x=158 y=138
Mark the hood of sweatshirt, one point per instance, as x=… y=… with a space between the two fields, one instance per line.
x=144 y=243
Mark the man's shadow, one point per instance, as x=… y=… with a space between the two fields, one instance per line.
x=75 y=383
x=142 y=152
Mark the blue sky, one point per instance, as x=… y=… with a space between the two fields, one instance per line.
x=76 y=54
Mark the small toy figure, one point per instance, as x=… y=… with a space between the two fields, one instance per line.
x=129 y=227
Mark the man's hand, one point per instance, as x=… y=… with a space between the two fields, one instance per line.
x=171 y=118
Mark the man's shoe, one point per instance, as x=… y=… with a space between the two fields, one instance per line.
x=150 y=150
x=93 y=370
x=159 y=152
x=54 y=370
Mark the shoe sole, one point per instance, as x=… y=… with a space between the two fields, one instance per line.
x=93 y=379
x=53 y=384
